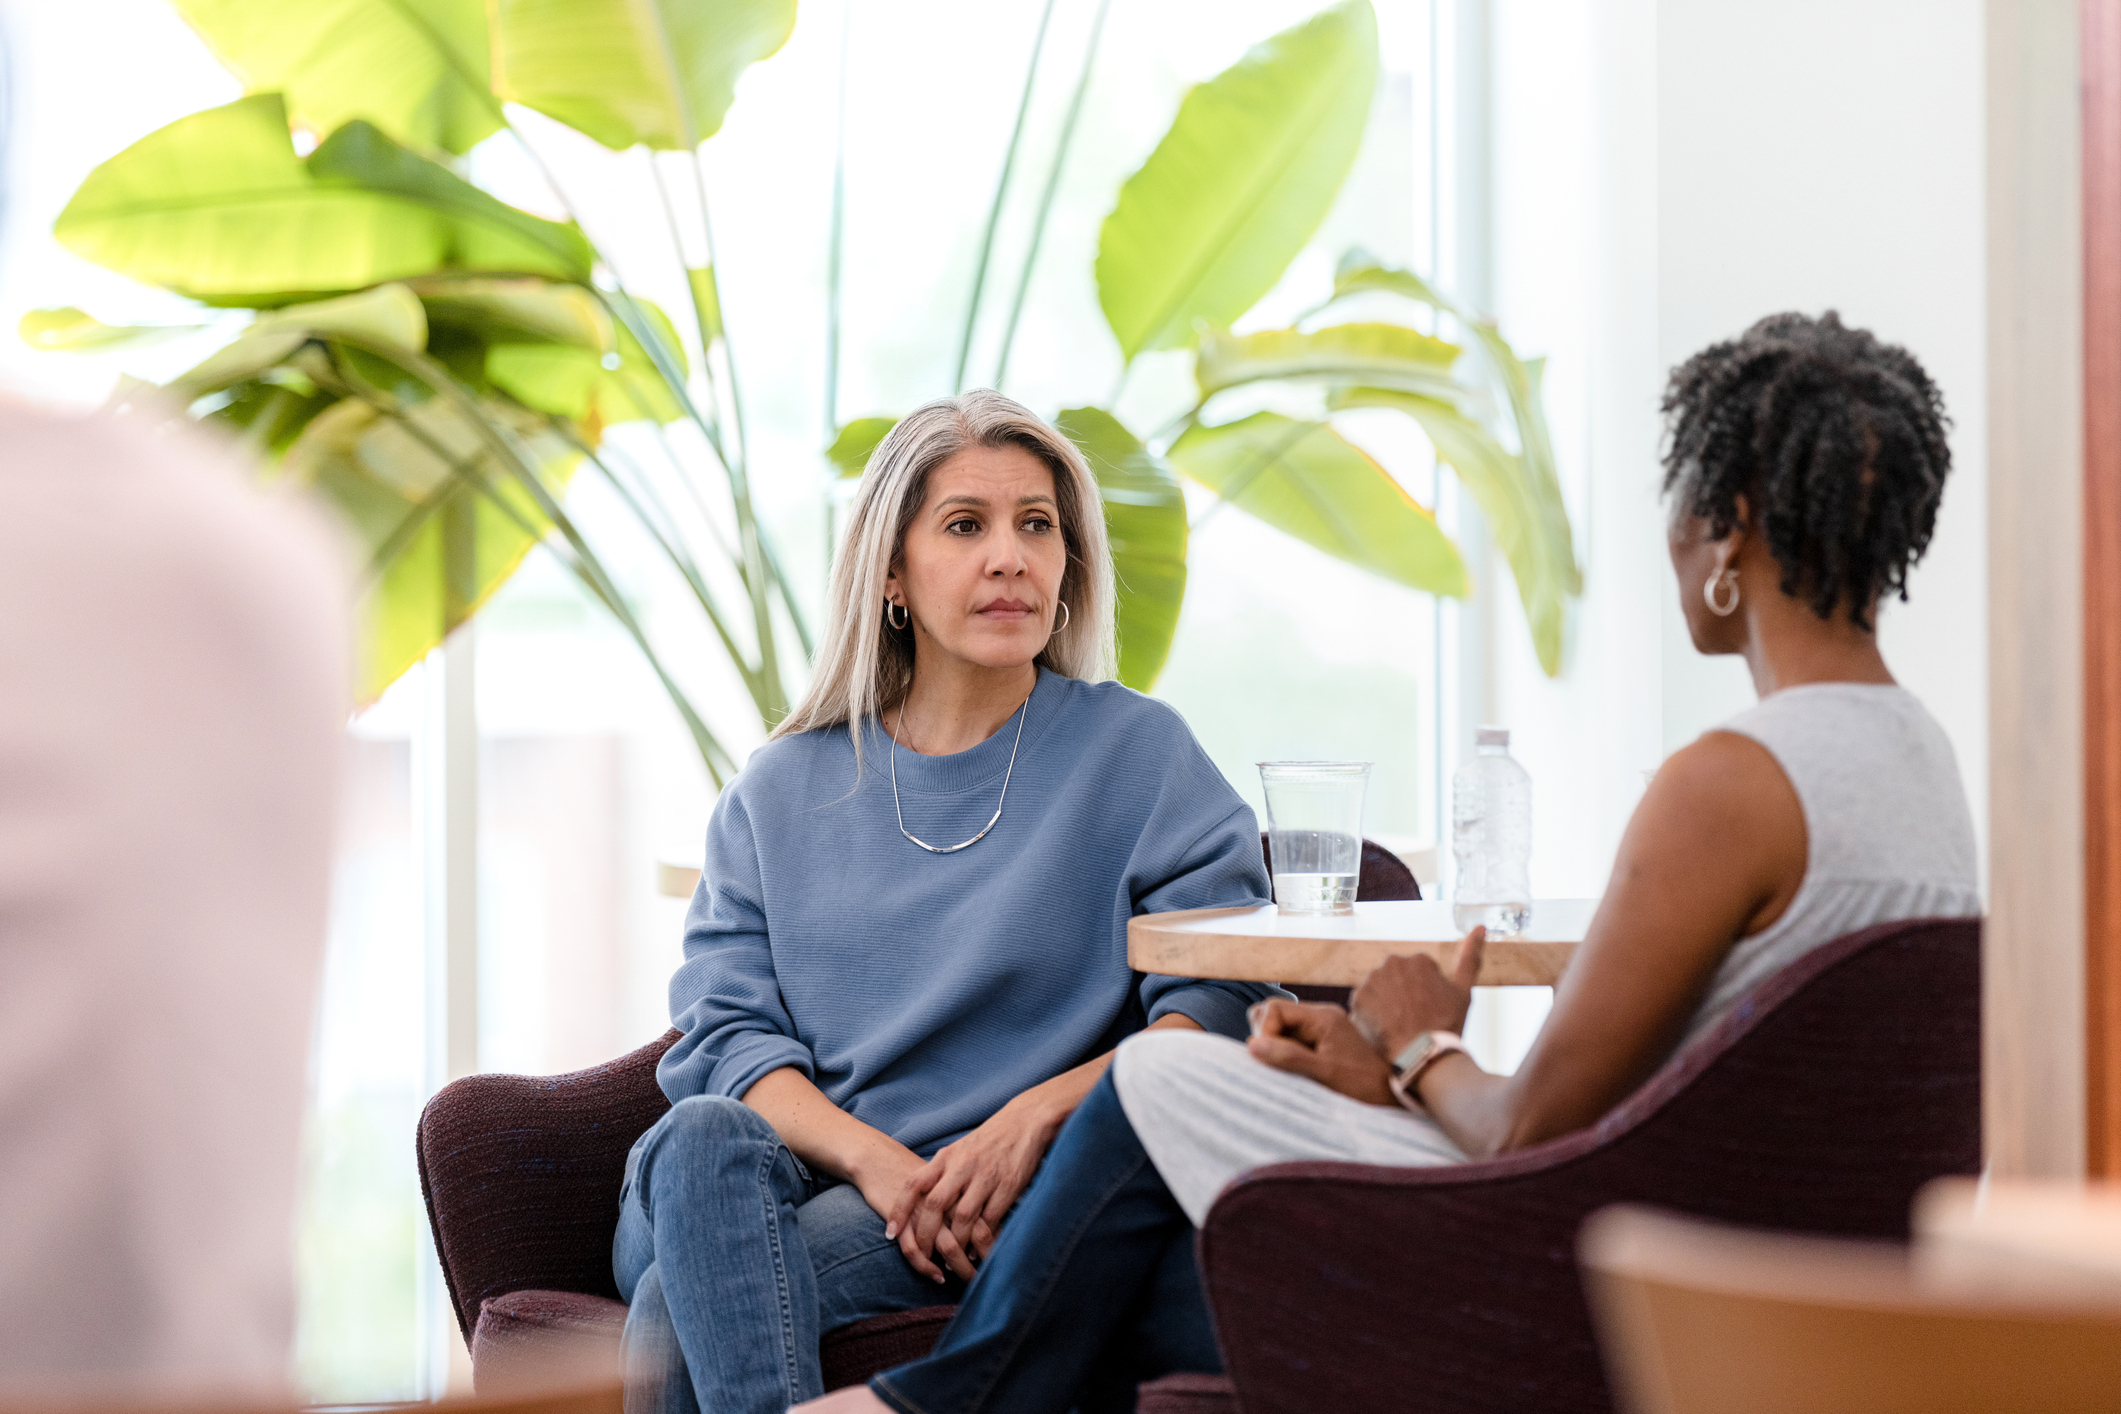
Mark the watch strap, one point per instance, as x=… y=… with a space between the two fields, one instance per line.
x=1411 y=1063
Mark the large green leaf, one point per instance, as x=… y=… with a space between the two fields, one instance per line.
x=1530 y=526
x=513 y=310
x=596 y=389
x=414 y=68
x=1381 y=355
x=218 y=203
x=439 y=547
x=485 y=233
x=1303 y=478
x=857 y=442
x=1145 y=519
x=1544 y=559
x=218 y=206
x=71 y=330
x=1360 y=272
x=659 y=72
x=388 y=314
x=1240 y=183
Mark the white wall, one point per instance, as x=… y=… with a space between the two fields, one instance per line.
x=1667 y=172
x=2033 y=978
x=1827 y=154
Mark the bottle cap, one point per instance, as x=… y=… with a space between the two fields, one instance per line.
x=1491 y=736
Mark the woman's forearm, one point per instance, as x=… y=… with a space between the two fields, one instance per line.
x=1470 y=1105
x=1050 y=1103
x=819 y=1132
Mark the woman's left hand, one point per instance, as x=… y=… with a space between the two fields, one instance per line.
x=1319 y=1042
x=955 y=1204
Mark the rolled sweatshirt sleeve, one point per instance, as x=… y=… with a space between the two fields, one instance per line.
x=724 y=996
x=1220 y=868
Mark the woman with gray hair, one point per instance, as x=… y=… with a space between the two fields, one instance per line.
x=906 y=962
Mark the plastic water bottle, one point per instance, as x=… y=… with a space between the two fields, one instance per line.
x=1491 y=837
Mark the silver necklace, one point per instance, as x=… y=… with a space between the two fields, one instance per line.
x=1023 y=713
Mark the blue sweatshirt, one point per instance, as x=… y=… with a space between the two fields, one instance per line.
x=921 y=992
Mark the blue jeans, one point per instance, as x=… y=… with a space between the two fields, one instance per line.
x=734 y=1258
x=1090 y=1289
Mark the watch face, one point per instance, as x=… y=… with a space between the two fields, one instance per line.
x=1417 y=1051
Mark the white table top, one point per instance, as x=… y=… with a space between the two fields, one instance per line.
x=1266 y=945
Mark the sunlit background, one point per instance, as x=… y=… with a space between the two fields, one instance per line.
x=587 y=778
x=1488 y=163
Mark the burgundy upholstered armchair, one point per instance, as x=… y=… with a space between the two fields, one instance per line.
x=521 y=1177
x=1820 y=1104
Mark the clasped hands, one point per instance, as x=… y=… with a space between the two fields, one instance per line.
x=945 y=1211
x=1351 y=1051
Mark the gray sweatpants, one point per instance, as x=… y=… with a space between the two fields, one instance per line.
x=1207 y=1112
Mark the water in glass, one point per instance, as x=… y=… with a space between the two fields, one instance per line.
x=1314 y=832
x=1315 y=893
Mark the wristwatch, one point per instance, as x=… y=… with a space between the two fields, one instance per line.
x=1421 y=1053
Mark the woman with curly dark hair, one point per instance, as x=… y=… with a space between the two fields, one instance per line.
x=1804 y=469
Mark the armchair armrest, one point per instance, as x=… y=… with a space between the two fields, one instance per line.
x=521 y=1176
x=1346 y=1286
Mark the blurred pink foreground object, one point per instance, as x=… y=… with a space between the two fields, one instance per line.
x=173 y=653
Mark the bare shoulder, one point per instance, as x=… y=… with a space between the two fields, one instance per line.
x=1722 y=774
x=1721 y=818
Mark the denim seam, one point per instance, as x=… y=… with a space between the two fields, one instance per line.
x=769 y=1155
x=1061 y=1255
x=855 y=1257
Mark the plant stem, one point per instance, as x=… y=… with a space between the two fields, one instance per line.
x=678 y=558
x=994 y=211
x=692 y=294
x=258 y=436
x=834 y=235
x=773 y=577
x=1119 y=385
x=750 y=539
x=714 y=286
x=1045 y=201
x=761 y=568
x=635 y=325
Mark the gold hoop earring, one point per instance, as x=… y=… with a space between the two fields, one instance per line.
x=897 y=615
x=1708 y=594
x=1066 y=617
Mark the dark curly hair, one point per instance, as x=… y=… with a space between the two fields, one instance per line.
x=1837 y=442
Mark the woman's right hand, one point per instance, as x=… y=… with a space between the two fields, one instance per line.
x=883 y=1172
x=883 y=1176
x=832 y=1141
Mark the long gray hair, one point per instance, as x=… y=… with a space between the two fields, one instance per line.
x=864 y=667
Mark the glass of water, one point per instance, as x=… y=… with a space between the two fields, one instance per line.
x=1314 y=832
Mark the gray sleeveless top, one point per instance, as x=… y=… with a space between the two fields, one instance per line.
x=1885 y=816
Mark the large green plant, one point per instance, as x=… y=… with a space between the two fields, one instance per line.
x=1238 y=186
x=442 y=364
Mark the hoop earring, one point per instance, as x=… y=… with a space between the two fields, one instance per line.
x=1066 y=617
x=903 y=617
x=1708 y=593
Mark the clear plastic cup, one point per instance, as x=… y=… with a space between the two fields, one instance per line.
x=1314 y=832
